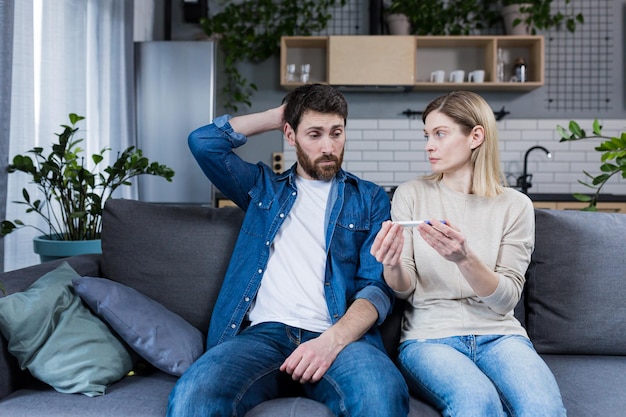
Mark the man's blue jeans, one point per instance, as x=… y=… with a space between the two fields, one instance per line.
x=236 y=375
x=481 y=376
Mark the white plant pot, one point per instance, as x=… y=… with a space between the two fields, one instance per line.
x=510 y=14
x=398 y=24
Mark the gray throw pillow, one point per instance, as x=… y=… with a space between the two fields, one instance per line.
x=161 y=337
x=59 y=340
x=176 y=255
x=576 y=283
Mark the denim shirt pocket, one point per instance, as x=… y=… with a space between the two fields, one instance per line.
x=261 y=203
x=351 y=232
x=260 y=199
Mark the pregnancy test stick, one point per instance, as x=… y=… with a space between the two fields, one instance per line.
x=414 y=223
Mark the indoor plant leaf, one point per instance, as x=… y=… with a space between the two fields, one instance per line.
x=73 y=196
x=611 y=149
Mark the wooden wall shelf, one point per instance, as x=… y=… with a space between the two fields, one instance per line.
x=408 y=61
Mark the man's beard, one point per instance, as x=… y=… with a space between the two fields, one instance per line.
x=316 y=171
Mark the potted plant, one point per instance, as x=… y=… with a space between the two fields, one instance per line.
x=439 y=17
x=397 y=16
x=250 y=30
x=613 y=158
x=524 y=17
x=71 y=197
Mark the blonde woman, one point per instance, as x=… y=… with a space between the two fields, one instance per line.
x=462 y=273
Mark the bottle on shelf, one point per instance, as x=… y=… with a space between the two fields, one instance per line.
x=500 y=66
x=520 y=70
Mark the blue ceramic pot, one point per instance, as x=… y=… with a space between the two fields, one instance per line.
x=48 y=248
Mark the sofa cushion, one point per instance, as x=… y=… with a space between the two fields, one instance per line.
x=141 y=395
x=161 y=337
x=575 y=287
x=176 y=255
x=57 y=338
x=591 y=385
x=19 y=280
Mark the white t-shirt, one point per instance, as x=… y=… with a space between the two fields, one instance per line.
x=292 y=288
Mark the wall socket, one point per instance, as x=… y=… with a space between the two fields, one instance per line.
x=278 y=162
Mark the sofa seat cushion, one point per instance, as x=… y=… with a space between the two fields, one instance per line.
x=575 y=288
x=135 y=396
x=590 y=385
x=175 y=255
x=290 y=407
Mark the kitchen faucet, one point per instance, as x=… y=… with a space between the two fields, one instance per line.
x=523 y=182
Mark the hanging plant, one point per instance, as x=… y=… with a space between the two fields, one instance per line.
x=251 y=31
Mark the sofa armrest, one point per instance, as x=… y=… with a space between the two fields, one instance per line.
x=11 y=377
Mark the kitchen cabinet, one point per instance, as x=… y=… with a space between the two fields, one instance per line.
x=371 y=60
x=406 y=62
x=350 y=60
x=605 y=206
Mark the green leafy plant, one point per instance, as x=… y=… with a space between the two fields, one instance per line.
x=439 y=17
x=539 y=15
x=250 y=30
x=72 y=197
x=613 y=158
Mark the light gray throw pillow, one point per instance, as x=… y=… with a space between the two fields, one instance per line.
x=161 y=337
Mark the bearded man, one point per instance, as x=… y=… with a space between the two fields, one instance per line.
x=299 y=309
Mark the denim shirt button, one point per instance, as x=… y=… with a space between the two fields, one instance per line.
x=260 y=271
x=260 y=204
x=247 y=299
x=281 y=215
x=233 y=326
x=294 y=193
x=267 y=243
x=351 y=226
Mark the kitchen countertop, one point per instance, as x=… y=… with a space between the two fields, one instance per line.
x=533 y=196
x=570 y=197
x=549 y=196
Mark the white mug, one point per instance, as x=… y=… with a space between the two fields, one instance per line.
x=477 y=76
x=305 y=72
x=437 y=76
x=457 y=76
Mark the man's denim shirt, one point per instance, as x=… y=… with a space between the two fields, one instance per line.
x=356 y=211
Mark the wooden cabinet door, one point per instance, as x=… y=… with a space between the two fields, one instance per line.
x=371 y=60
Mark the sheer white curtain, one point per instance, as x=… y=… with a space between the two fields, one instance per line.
x=69 y=56
x=6 y=61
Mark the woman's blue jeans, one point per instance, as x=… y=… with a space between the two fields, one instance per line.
x=481 y=376
x=236 y=375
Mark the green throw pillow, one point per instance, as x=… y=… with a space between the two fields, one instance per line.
x=59 y=340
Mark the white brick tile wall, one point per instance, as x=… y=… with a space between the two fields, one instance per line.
x=391 y=151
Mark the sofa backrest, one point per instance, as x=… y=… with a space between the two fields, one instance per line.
x=575 y=294
x=176 y=255
x=573 y=303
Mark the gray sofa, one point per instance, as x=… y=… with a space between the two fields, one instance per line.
x=573 y=307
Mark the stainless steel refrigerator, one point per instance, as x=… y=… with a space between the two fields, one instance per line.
x=175 y=94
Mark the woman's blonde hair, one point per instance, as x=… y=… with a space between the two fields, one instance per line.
x=468 y=110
